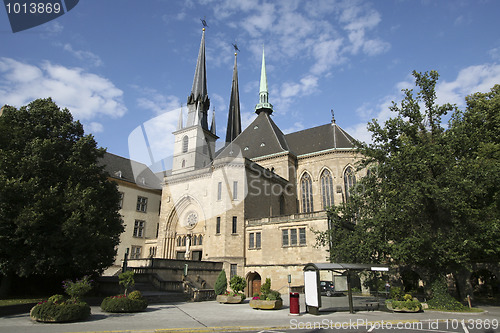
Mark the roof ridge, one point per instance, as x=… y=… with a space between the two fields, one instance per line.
x=275 y=127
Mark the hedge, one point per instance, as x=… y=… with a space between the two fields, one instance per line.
x=134 y=302
x=65 y=312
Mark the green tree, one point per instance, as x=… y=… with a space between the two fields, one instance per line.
x=237 y=283
x=126 y=279
x=58 y=211
x=430 y=199
x=221 y=283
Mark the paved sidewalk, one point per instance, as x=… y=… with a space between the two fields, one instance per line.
x=214 y=317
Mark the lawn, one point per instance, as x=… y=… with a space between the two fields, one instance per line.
x=16 y=301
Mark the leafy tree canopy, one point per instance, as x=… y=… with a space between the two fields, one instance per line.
x=58 y=211
x=430 y=197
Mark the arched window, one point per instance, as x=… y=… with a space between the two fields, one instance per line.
x=195 y=240
x=179 y=241
x=349 y=181
x=184 y=241
x=327 y=189
x=282 y=204
x=185 y=142
x=183 y=163
x=307 y=196
x=200 y=240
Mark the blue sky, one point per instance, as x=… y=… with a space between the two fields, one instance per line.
x=124 y=67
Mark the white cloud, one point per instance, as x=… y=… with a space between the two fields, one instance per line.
x=156 y=102
x=480 y=78
x=294 y=128
x=86 y=95
x=86 y=56
x=495 y=54
x=94 y=127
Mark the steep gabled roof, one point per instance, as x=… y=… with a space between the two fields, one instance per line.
x=130 y=171
x=324 y=137
x=262 y=137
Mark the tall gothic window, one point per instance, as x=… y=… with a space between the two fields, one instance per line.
x=349 y=181
x=307 y=196
x=327 y=189
x=185 y=142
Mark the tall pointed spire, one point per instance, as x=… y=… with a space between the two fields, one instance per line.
x=199 y=95
x=234 y=118
x=212 y=127
x=264 y=105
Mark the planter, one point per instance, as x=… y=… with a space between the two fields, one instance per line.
x=265 y=304
x=390 y=307
x=227 y=299
x=49 y=312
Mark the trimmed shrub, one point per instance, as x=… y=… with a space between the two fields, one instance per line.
x=396 y=294
x=65 y=312
x=78 y=288
x=126 y=279
x=237 y=283
x=221 y=283
x=134 y=302
x=410 y=304
x=57 y=299
x=441 y=299
x=268 y=293
x=266 y=287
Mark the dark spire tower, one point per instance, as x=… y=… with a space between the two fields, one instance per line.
x=264 y=105
x=194 y=146
x=198 y=102
x=234 y=118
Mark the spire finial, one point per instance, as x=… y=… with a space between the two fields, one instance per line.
x=333 y=116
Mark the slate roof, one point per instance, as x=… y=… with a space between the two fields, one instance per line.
x=319 y=138
x=262 y=137
x=123 y=168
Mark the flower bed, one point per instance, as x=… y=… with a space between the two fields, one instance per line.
x=53 y=312
x=134 y=302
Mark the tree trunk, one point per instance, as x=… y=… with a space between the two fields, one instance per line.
x=5 y=283
x=463 y=284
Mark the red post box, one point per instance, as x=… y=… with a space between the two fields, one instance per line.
x=294 y=304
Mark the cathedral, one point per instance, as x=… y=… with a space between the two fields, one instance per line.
x=254 y=204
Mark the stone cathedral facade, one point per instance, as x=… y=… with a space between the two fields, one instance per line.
x=254 y=204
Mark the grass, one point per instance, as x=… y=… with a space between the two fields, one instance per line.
x=466 y=310
x=17 y=301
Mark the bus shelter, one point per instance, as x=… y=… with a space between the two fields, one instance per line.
x=312 y=282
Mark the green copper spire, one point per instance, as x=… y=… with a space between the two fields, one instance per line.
x=264 y=104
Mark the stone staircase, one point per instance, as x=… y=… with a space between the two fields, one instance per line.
x=155 y=296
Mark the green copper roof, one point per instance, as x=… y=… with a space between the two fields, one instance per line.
x=264 y=104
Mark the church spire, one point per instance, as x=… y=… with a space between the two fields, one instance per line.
x=212 y=127
x=234 y=118
x=198 y=102
x=264 y=104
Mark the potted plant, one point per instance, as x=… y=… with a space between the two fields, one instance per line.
x=237 y=284
x=59 y=308
x=268 y=300
x=399 y=303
